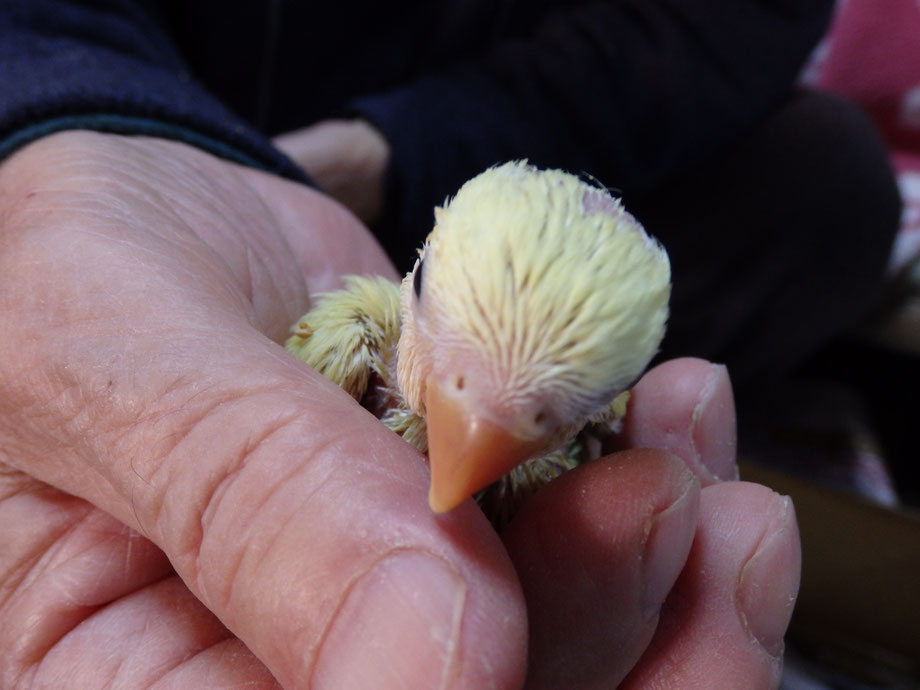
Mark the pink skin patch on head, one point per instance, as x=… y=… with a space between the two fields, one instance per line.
x=596 y=201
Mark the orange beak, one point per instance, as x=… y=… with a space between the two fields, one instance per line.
x=466 y=451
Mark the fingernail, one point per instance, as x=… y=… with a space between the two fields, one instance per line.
x=769 y=584
x=670 y=535
x=398 y=627
x=712 y=428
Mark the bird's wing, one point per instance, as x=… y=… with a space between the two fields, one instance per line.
x=350 y=335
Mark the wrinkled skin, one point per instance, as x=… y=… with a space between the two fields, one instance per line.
x=182 y=504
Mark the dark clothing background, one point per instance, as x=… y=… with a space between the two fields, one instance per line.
x=684 y=106
x=632 y=91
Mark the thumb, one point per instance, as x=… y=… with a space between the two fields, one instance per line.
x=303 y=525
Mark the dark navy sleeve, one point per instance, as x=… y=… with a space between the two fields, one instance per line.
x=631 y=91
x=106 y=65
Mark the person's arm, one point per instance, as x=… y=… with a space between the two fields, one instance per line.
x=107 y=65
x=628 y=90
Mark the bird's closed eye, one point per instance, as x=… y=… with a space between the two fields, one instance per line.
x=417 y=279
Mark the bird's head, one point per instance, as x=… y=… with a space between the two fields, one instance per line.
x=535 y=301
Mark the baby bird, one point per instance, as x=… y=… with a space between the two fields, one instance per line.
x=535 y=302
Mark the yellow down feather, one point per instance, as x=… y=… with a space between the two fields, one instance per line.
x=549 y=278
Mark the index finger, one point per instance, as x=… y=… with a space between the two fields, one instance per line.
x=686 y=406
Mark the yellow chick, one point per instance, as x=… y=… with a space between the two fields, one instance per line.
x=536 y=300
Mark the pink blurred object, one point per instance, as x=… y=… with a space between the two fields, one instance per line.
x=871 y=55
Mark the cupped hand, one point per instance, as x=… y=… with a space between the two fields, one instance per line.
x=183 y=503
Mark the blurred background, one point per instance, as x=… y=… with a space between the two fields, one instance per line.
x=842 y=436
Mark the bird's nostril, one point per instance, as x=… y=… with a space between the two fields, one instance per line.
x=459 y=383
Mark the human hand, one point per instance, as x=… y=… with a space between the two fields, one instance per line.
x=181 y=502
x=347 y=159
x=602 y=546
